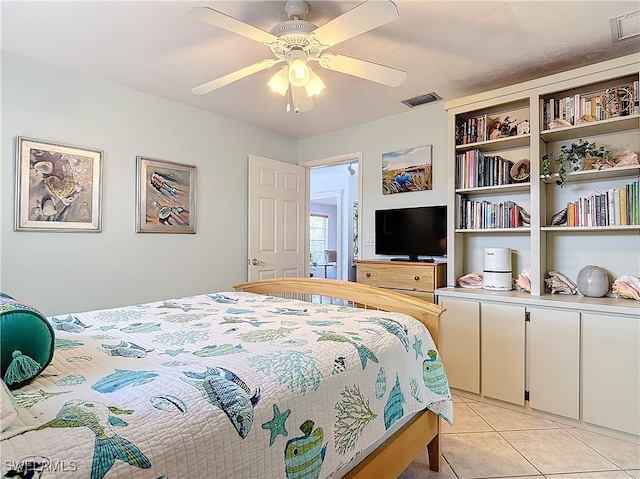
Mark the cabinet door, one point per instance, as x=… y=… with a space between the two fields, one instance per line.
x=502 y=352
x=611 y=371
x=554 y=361
x=460 y=343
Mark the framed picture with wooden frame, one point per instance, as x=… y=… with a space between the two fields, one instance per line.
x=166 y=197
x=58 y=187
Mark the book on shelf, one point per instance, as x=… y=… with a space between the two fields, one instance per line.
x=623 y=206
x=614 y=207
x=633 y=203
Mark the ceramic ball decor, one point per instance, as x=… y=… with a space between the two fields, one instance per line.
x=593 y=281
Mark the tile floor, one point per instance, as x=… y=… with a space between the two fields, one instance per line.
x=488 y=441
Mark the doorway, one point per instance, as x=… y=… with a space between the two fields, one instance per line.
x=334 y=199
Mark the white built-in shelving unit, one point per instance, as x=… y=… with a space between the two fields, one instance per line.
x=536 y=351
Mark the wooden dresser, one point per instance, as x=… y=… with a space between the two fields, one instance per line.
x=417 y=279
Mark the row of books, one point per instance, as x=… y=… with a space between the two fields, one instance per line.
x=612 y=102
x=475 y=169
x=474 y=214
x=614 y=207
x=473 y=130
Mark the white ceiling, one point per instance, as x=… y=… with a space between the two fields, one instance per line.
x=454 y=48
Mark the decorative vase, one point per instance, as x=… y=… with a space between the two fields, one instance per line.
x=593 y=281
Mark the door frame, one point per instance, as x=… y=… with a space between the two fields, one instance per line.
x=343 y=159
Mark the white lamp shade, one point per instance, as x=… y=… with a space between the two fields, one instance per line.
x=280 y=81
x=315 y=84
x=298 y=69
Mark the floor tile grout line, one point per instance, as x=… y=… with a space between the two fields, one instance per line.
x=532 y=429
x=450 y=467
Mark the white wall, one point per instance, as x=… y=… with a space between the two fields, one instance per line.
x=67 y=272
x=425 y=125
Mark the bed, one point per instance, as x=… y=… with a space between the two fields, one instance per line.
x=292 y=378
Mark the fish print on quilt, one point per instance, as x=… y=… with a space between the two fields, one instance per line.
x=223 y=385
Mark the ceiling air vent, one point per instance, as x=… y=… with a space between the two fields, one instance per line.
x=625 y=26
x=422 y=99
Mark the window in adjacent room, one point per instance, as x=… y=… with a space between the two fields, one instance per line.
x=319 y=236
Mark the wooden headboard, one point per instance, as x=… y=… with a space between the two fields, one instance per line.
x=348 y=292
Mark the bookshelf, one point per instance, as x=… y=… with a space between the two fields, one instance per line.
x=581 y=99
x=537 y=351
x=608 y=234
x=485 y=207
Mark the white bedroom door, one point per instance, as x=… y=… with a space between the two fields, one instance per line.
x=277 y=219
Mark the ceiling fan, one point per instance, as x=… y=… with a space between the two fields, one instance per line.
x=297 y=43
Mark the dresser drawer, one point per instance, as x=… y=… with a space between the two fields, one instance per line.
x=400 y=276
x=424 y=295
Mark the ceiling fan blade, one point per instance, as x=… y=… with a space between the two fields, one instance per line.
x=364 y=17
x=363 y=69
x=218 y=19
x=235 y=76
x=301 y=101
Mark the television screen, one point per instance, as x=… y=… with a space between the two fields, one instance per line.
x=412 y=232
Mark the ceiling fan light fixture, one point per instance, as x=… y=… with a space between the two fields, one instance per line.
x=315 y=84
x=298 y=73
x=298 y=41
x=298 y=69
x=280 y=81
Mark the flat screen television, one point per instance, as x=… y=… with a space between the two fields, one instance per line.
x=412 y=233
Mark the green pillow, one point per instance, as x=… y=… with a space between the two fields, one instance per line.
x=27 y=342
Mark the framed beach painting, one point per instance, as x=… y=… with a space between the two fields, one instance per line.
x=166 y=199
x=407 y=170
x=58 y=187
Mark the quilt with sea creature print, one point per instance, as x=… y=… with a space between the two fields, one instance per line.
x=226 y=385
